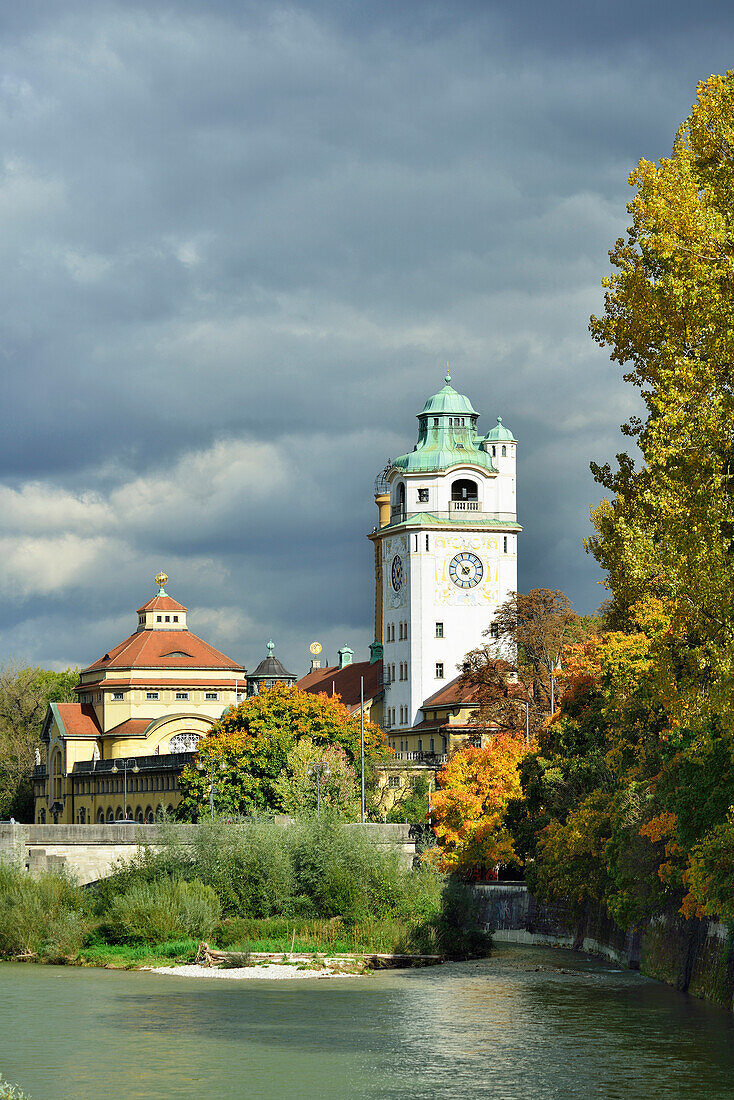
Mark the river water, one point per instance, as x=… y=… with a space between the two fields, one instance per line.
x=528 y=1023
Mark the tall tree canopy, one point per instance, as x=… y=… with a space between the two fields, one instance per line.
x=666 y=537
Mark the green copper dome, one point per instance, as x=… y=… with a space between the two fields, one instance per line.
x=500 y=433
x=449 y=401
x=447 y=436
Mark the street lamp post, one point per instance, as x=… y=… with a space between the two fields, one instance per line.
x=318 y=770
x=125 y=764
x=222 y=767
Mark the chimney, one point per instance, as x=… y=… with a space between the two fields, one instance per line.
x=315 y=663
x=345 y=656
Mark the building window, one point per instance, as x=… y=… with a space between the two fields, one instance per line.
x=464 y=489
x=118 y=695
x=175 y=618
x=504 y=544
x=504 y=451
x=400 y=632
x=439 y=670
x=152 y=695
x=435 y=421
x=420 y=745
x=182 y=694
x=432 y=743
x=494 y=451
x=211 y=696
x=439 y=630
x=393 y=781
x=494 y=630
x=168 y=618
x=423 y=495
x=426 y=542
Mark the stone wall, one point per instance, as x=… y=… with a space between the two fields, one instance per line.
x=694 y=956
x=90 y=852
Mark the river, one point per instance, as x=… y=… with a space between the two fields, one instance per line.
x=528 y=1023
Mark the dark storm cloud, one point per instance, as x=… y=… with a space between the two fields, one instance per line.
x=238 y=243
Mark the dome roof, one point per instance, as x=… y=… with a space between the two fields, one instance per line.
x=270 y=668
x=500 y=432
x=448 y=400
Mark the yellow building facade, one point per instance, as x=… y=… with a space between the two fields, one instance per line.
x=143 y=706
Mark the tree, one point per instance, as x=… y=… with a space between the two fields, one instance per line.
x=25 y=693
x=519 y=666
x=668 y=530
x=250 y=743
x=469 y=808
x=338 y=790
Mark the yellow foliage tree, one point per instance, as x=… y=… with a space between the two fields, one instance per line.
x=468 y=810
x=668 y=532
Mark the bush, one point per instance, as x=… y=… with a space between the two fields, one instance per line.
x=317 y=870
x=154 y=912
x=44 y=916
x=11 y=1092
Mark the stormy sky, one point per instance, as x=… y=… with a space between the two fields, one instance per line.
x=239 y=242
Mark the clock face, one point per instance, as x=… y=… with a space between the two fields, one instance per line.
x=466 y=570
x=397 y=572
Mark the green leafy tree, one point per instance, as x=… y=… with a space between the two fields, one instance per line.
x=25 y=693
x=250 y=744
x=338 y=787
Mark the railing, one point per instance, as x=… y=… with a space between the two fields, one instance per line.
x=464 y=506
x=421 y=757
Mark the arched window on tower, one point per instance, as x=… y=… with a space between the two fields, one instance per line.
x=464 y=489
x=504 y=451
x=465 y=495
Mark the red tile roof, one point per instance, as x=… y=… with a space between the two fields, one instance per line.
x=79 y=720
x=162 y=603
x=133 y=727
x=333 y=680
x=459 y=693
x=155 y=649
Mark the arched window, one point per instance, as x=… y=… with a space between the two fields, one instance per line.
x=139 y=815
x=401 y=497
x=100 y=817
x=110 y=816
x=82 y=816
x=464 y=489
x=504 y=451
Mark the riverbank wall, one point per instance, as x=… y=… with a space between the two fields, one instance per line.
x=91 y=852
x=694 y=956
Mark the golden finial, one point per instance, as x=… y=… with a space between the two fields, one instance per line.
x=161 y=579
x=448 y=376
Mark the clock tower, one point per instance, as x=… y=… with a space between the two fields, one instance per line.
x=445 y=552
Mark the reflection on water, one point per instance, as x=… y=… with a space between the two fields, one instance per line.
x=530 y=1022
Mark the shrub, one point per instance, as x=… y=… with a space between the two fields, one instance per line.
x=153 y=912
x=43 y=916
x=11 y=1092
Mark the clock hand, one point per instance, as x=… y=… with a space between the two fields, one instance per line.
x=465 y=569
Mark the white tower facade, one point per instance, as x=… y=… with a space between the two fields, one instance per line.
x=445 y=551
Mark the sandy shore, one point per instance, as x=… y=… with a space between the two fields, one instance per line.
x=269 y=971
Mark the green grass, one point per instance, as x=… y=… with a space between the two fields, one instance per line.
x=131 y=956
x=333 y=937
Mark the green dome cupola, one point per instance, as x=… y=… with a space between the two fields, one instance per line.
x=447 y=435
x=500 y=434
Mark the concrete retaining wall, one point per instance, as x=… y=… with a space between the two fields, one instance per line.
x=90 y=852
x=693 y=956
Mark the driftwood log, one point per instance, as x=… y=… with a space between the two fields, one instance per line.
x=208 y=956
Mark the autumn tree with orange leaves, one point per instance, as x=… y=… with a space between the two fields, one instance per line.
x=468 y=809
